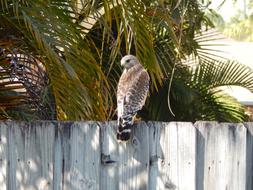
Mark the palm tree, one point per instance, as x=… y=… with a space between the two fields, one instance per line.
x=78 y=45
x=197 y=94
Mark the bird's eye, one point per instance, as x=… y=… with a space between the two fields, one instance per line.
x=128 y=60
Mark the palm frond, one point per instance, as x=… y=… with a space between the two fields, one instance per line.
x=79 y=43
x=213 y=74
x=196 y=94
x=23 y=82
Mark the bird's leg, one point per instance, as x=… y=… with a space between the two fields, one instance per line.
x=136 y=119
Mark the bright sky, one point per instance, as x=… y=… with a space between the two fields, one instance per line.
x=229 y=8
x=241 y=51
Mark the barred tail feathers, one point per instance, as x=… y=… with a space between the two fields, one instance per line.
x=125 y=124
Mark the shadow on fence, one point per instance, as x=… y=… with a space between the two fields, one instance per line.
x=86 y=155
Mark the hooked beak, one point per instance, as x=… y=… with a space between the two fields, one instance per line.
x=122 y=64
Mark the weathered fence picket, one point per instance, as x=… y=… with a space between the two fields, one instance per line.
x=222 y=151
x=81 y=156
x=249 y=156
x=86 y=155
x=3 y=156
x=178 y=143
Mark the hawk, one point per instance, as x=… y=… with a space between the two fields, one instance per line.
x=132 y=92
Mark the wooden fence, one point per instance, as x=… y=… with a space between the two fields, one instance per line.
x=86 y=156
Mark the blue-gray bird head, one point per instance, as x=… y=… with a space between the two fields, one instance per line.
x=129 y=61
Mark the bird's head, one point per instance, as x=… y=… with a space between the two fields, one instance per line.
x=129 y=61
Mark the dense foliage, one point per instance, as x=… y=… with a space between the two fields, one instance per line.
x=77 y=45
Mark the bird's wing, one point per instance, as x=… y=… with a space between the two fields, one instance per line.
x=136 y=94
x=132 y=92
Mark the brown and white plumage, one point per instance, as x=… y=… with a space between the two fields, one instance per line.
x=132 y=92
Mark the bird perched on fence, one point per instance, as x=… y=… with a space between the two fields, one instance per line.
x=132 y=92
